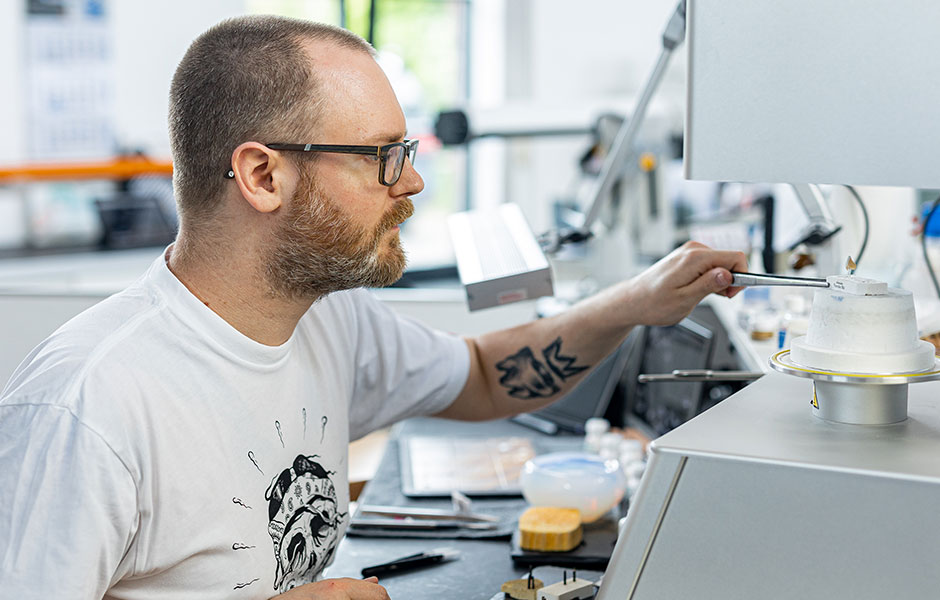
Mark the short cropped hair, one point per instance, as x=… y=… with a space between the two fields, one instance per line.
x=245 y=79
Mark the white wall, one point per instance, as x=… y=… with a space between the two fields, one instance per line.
x=150 y=39
x=598 y=47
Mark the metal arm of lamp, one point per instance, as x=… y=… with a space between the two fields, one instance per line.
x=622 y=150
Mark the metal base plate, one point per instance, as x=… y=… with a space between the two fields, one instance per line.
x=781 y=362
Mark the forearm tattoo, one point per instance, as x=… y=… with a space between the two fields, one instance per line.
x=527 y=377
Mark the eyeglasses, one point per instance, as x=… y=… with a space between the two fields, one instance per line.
x=391 y=156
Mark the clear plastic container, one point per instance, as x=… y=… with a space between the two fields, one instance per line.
x=578 y=480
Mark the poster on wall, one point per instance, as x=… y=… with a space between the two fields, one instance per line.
x=69 y=80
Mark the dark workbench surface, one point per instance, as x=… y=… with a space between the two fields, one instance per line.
x=483 y=565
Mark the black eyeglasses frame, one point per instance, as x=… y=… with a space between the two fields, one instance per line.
x=410 y=147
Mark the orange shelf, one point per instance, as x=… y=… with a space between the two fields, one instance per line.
x=121 y=168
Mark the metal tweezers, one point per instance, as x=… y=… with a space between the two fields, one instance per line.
x=752 y=279
x=402 y=517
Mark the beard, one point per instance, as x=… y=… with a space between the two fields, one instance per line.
x=318 y=250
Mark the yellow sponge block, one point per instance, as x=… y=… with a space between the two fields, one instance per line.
x=550 y=529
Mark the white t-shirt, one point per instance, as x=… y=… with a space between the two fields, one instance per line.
x=150 y=450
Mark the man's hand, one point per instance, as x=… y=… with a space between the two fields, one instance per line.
x=669 y=290
x=338 y=589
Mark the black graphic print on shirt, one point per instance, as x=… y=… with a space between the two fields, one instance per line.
x=303 y=518
x=303 y=521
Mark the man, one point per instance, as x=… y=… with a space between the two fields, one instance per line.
x=187 y=437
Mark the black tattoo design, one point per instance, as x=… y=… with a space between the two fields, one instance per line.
x=526 y=377
x=563 y=366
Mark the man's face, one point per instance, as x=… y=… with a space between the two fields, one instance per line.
x=340 y=229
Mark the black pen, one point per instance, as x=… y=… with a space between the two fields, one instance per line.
x=411 y=561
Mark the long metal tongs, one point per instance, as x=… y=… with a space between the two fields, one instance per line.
x=752 y=279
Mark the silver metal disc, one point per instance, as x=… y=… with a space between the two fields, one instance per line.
x=781 y=362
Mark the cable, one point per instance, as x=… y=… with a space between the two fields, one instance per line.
x=861 y=205
x=923 y=245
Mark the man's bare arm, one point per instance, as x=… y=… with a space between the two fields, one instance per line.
x=526 y=367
